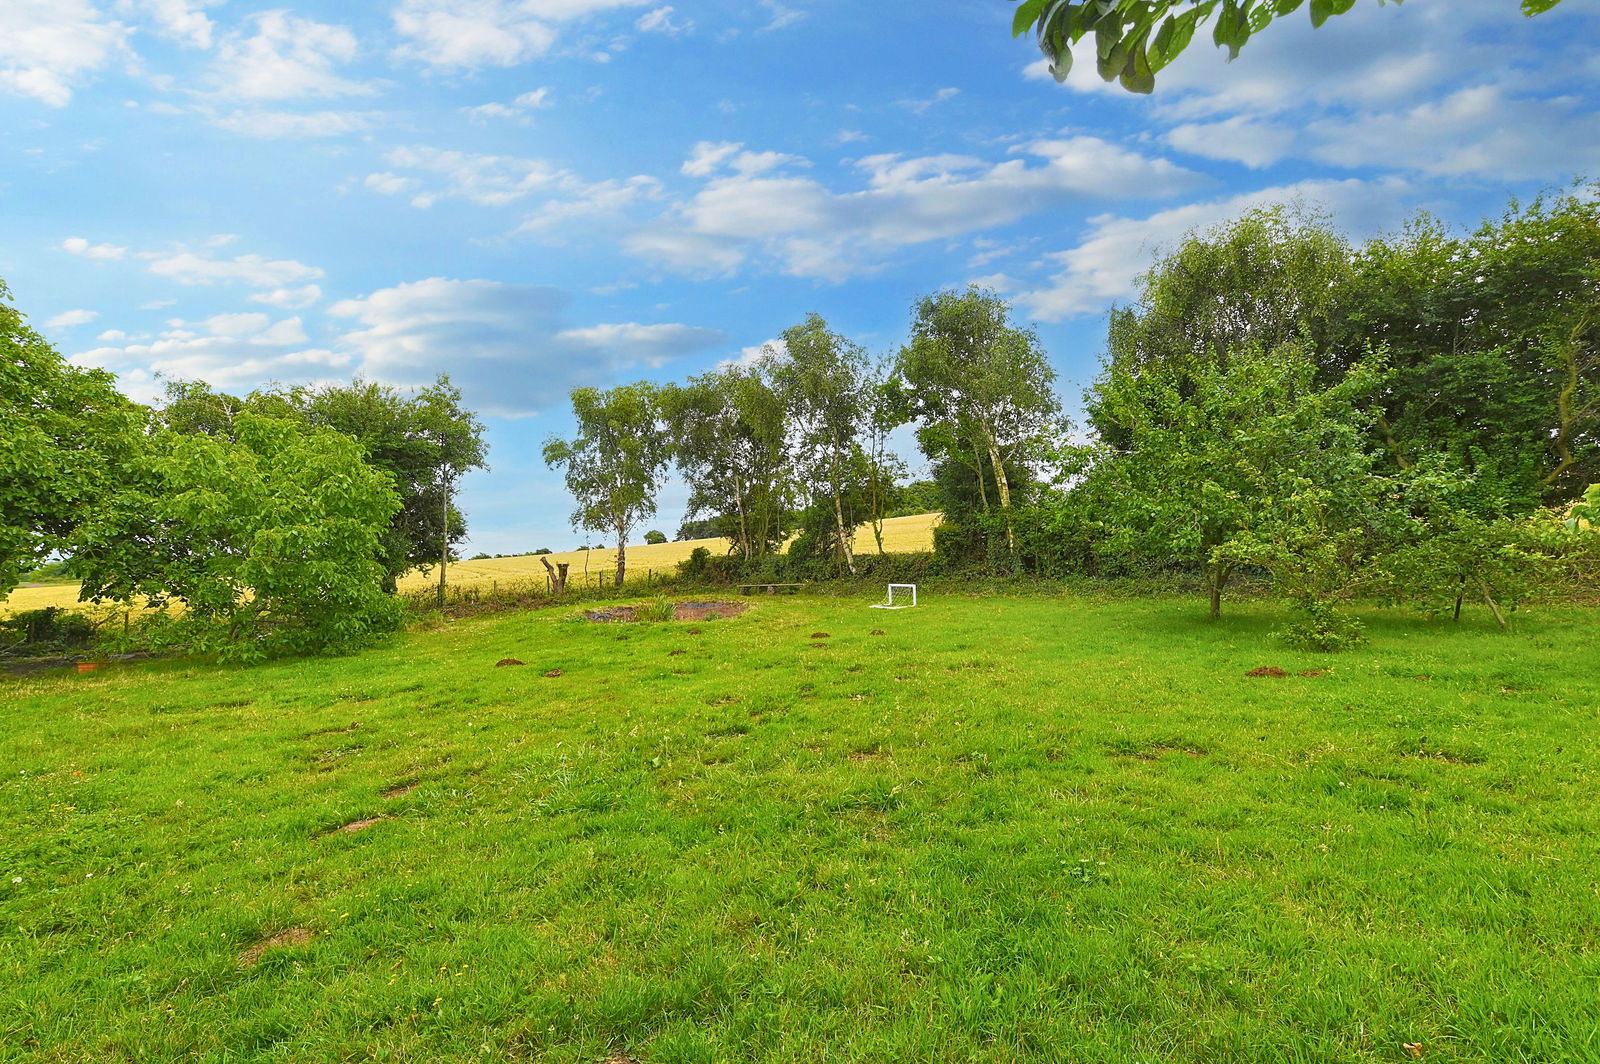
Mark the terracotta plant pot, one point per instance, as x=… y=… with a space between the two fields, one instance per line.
x=88 y=666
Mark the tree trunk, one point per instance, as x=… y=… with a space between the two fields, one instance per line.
x=444 y=536
x=558 y=576
x=622 y=554
x=1216 y=579
x=838 y=516
x=844 y=539
x=1004 y=487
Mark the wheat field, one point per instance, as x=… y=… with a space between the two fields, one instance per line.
x=900 y=534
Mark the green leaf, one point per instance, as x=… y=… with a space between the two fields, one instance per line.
x=1537 y=7
x=1026 y=14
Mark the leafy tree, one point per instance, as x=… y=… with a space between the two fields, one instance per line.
x=917 y=497
x=615 y=463
x=1243 y=460
x=730 y=434
x=65 y=434
x=269 y=539
x=981 y=388
x=425 y=440
x=1494 y=338
x=1135 y=39
x=824 y=382
x=1272 y=276
x=654 y=536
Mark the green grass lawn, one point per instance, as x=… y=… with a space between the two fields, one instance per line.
x=1008 y=829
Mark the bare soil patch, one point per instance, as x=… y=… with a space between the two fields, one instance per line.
x=1314 y=672
x=819 y=635
x=1267 y=670
x=294 y=936
x=553 y=673
x=681 y=611
x=879 y=631
x=354 y=826
x=509 y=661
x=400 y=790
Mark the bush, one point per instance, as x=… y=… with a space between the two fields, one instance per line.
x=1322 y=628
x=50 y=630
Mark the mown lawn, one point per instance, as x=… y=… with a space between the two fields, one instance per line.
x=1032 y=829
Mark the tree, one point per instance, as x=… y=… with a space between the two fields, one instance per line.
x=980 y=386
x=1494 y=338
x=269 y=539
x=1272 y=276
x=1241 y=460
x=1135 y=39
x=65 y=434
x=424 y=440
x=455 y=440
x=653 y=537
x=823 y=381
x=615 y=463
x=730 y=434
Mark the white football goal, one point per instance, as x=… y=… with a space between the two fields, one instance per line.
x=891 y=605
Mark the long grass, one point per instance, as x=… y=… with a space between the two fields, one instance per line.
x=1026 y=829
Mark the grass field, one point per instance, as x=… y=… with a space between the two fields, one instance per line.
x=1029 y=829
x=899 y=534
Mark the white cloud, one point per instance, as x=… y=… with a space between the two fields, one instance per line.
x=487 y=180
x=749 y=356
x=921 y=106
x=289 y=298
x=77 y=245
x=388 y=184
x=660 y=21
x=231 y=363
x=1477 y=132
x=286 y=125
x=499 y=180
x=287 y=58
x=1240 y=139
x=1102 y=268
x=780 y=17
x=468 y=34
x=810 y=230
x=184 y=21
x=600 y=199
x=505 y=345
x=191 y=268
x=48 y=47
x=68 y=318
x=111 y=335
x=517 y=110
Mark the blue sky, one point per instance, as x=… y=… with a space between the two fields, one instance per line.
x=536 y=194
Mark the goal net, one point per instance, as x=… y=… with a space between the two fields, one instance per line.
x=902 y=604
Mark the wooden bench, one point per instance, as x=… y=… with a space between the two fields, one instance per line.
x=770 y=589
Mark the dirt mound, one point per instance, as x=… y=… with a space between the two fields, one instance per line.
x=819 y=635
x=553 y=673
x=1267 y=670
x=681 y=611
x=294 y=936
x=1314 y=672
x=509 y=661
x=879 y=631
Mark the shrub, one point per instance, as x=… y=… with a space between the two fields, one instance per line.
x=51 y=629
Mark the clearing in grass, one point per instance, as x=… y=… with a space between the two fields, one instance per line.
x=1041 y=829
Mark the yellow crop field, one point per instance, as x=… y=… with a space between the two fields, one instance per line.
x=900 y=534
